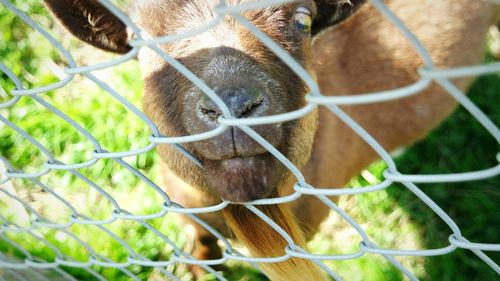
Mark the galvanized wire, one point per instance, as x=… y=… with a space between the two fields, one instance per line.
x=21 y=269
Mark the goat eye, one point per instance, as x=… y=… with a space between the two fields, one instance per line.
x=303 y=19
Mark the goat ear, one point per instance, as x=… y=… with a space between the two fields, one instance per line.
x=332 y=12
x=91 y=22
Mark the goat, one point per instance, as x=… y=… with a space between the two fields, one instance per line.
x=349 y=47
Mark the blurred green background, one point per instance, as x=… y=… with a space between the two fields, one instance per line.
x=394 y=218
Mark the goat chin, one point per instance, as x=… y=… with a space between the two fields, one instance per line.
x=268 y=243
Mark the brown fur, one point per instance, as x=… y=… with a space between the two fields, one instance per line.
x=267 y=243
x=380 y=58
x=75 y=14
x=364 y=53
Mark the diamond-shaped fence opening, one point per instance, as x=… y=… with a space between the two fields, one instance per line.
x=79 y=190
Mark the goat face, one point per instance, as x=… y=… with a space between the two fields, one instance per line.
x=245 y=74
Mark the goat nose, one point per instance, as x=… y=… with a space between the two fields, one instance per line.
x=241 y=102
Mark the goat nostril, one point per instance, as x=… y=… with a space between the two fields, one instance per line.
x=252 y=104
x=210 y=109
x=212 y=114
x=240 y=102
x=259 y=99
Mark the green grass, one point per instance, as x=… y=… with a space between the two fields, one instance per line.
x=459 y=145
x=394 y=218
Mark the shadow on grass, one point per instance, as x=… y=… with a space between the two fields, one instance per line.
x=461 y=144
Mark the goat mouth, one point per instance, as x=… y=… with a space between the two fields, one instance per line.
x=239 y=162
x=243 y=179
x=235 y=144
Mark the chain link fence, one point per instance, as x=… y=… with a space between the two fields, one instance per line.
x=28 y=266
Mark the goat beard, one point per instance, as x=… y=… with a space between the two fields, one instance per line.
x=263 y=241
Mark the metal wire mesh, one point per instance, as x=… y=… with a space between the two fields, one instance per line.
x=34 y=265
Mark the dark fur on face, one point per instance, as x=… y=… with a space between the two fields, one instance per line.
x=229 y=56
